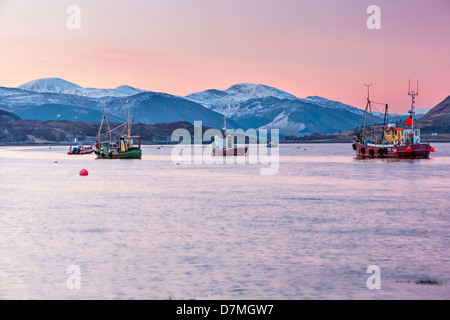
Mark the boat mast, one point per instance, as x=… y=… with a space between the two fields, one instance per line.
x=385 y=123
x=386 y=119
x=100 y=129
x=101 y=125
x=413 y=95
x=225 y=142
x=225 y=125
x=368 y=108
x=129 y=130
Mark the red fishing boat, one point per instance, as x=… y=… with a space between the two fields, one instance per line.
x=390 y=140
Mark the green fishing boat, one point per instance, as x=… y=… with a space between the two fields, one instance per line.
x=123 y=148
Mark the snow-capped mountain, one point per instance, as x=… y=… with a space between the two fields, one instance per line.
x=5 y=92
x=245 y=91
x=227 y=100
x=128 y=91
x=51 y=85
x=379 y=115
x=230 y=102
x=57 y=85
x=294 y=117
x=322 y=102
x=156 y=107
x=260 y=106
x=145 y=107
x=247 y=105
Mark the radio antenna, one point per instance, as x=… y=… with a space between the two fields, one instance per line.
x=368 y=90
x=413 y=95
x=412 y=92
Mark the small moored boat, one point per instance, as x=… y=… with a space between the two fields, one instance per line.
x=224 y=145
x=80 y=150
x=125 y=146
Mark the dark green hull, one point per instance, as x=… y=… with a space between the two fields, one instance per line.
x=130 y=154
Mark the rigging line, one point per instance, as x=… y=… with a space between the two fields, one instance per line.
x=390 y=107
x=376 y=109
x=394 y=110
x=378 y=102
x=378 y=116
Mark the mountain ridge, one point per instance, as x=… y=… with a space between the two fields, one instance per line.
x=61 y=86
x=146 y=107
x=260 y=106
x=437 y=119
x=247 y=105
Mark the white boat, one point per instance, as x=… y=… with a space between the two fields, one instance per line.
x=224 y=145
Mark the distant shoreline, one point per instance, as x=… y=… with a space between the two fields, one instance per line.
x=173 y=144
x=348 y=141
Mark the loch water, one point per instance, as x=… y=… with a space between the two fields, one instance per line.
x=157 y=229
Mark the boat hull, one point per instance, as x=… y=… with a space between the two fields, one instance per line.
x=230 y=152
x=130 y=154
x=418 y=151
x=80 y=150
x=81 y=153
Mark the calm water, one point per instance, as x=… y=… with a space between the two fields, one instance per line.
x=151 y=229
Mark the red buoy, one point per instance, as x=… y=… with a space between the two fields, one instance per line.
x=409 y=150
x=432 y=149
x=410 y=134
x=409 y=122
x=395 y=150
x=83 y=172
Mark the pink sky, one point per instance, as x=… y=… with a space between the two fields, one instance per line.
x=320 y=47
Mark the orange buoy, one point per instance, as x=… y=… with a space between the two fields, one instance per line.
x=83 y=172
x=409 y=150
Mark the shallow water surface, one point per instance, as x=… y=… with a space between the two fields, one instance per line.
x=152 y=229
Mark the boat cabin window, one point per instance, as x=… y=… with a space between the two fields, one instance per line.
x=388 y=132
